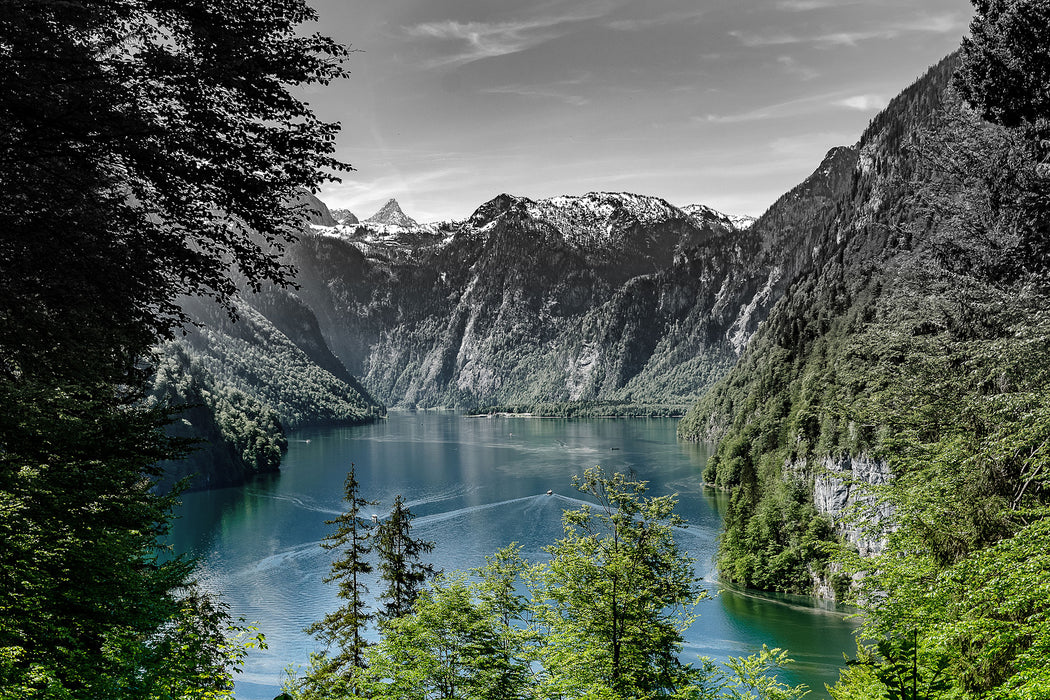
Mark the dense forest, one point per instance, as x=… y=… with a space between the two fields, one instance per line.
x=149 y=151
x=894 y=404
x=884 y=436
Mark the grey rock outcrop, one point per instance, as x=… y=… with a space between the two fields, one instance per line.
x=847 y=490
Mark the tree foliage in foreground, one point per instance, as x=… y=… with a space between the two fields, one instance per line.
x=964 y=575
x=401 y=564
x=147 y=150
x=616 y=595
x=603 y=618
x=344 y=629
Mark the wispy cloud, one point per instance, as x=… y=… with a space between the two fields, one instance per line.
x=939 y=24
x=790 y=108
x=809 y=5
x=922 y=24
x=795 y=108
x=793 y=67
x=632 y=25
x=864 y=103
x=564 y=90
x=474 y=41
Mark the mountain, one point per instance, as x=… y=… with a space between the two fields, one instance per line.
x=345 y=217
x=243 y=383
x=605 y=298
x=802 y=439
x=391 y=215
x=315 y=211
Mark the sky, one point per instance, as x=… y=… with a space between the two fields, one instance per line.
x=728 y=103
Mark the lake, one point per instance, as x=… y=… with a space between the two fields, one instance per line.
x=474 y=485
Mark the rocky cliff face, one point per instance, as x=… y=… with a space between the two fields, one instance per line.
x=603 y=297
x=801 y=394
x=847 y=490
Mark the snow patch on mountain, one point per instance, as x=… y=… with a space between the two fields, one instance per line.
x=596 y=217
x=392 y=215
x=742 y=222
x=704 y=214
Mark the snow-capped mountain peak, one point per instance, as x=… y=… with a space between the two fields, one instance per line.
x=392 y=215
x=701 y=213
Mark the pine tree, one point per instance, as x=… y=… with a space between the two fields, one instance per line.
x=399 y=561
x=617 y=595
x=345 y=627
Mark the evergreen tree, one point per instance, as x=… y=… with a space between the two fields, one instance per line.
x=477 y=637
x=400 y=562
x=148 y=149
x=1005 y=73
x=616 y=595
x=345 y=627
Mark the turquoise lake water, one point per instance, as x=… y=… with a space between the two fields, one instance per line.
x=475 y=485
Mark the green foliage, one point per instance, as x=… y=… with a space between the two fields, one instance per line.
x=616 y=595
x=345 y=627
x=751 y=678
x=198 y=652
x=241 y=437
x=457 y=642
x=603 y=618
x=1006 y=65
x=400 y=561
x=148 y=148
x=967 y=425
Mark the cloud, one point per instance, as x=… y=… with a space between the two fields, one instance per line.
x=921 y=24
x=826 y=40
x=808 y=5
x=940 y=24
x=475 y=41
x=863 y=103
x=791 y=108
x=813 y=104
x=793 y=67
x=632 y=25
x=556 y=91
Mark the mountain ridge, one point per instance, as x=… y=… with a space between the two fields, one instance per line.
x=390 y=214
x=604 y=296
x=789 y=450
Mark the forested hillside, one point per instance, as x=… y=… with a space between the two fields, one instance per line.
x=792 y=408
x=885 y=435
x=247 y=380
x=233 y=435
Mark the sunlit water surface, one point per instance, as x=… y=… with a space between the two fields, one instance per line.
x=474 y=485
